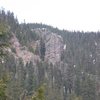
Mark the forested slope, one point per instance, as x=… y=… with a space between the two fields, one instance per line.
x=44 y=63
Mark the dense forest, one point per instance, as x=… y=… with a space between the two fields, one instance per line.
x=30 y=71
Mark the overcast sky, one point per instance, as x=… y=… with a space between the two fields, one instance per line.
x=64 y=14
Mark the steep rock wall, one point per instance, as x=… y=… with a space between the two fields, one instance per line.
x=23 y=52
x=54 y=47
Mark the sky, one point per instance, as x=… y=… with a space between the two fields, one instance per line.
x=83 y=15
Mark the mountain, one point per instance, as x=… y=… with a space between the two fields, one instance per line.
x=65 y=63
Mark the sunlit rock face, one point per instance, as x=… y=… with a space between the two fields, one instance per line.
x=23 y=52
x=54 y=47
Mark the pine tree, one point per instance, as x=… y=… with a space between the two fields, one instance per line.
x=42 y=49
x=88 y=89
x=3 y=44
x=29 y=82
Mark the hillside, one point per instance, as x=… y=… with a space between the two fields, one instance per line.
x=66 y=62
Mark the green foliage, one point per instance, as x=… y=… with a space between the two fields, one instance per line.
x=3 y=28
x=3 y=44
x=88 y=89
x=40 y=94
x=42 y=49
x=2 y=90
x=3 y=87
x=29 y=81
x=26 y=35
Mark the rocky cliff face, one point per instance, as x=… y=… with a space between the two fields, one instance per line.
x=53 y=44
x=23 y=52
x=54 y=47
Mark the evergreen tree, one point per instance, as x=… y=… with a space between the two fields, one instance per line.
x=42 y=49
x=88 y=89
x=3 y=45
x=30 y=78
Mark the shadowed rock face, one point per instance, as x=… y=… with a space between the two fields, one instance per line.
x=54 y=47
